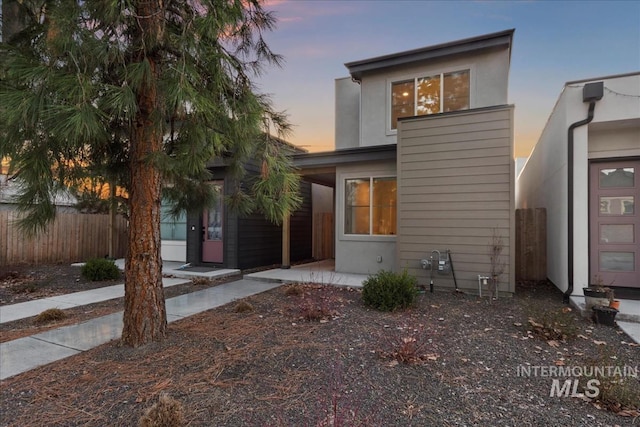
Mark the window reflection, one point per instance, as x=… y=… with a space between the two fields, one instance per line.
x=430 y=95
x=618 y=177
x=402 y=97
x=367 y=199
x=456 y=91
x=611 y=205
x=617 y=261
x=616 y=233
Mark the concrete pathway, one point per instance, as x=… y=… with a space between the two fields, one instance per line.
x=9 y=313
x=314 y=272
x=27 y=353
x=628 y=317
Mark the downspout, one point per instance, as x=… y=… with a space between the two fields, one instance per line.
x=591 y=92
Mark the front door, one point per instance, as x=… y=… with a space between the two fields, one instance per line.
x=212 y=224
x=615 y=223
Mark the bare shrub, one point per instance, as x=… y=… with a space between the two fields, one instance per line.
x=166 y=412
x=243 y=307
x=50 y=315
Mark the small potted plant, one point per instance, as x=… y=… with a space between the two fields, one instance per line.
x=597 y=294
x=604 y=315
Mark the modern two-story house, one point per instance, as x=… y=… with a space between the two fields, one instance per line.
x=424 y=162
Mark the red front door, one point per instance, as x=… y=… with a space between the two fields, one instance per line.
x=615 y=223
x=212 y=223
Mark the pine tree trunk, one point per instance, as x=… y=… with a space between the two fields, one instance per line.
x=145 y=318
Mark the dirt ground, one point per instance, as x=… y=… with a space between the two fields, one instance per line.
x=316 y=356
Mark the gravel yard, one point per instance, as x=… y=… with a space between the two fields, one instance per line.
x=316 y=356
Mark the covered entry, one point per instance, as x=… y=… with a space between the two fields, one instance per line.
x=615 y=223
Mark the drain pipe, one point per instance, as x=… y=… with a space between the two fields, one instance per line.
x=591 y=92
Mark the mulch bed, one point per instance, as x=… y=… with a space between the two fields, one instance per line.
x=316 y=356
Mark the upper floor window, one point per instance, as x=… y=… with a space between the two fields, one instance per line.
x=437 y=93
x=370 y=206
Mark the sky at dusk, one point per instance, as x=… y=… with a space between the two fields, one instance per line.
x=554 y=42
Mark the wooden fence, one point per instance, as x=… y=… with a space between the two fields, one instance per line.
x=72 y=237
x=531 y=244
x=323 y=232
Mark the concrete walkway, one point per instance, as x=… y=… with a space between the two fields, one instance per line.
x=27 y=353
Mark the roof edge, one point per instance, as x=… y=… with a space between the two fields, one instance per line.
x=356 y=68
x=613 y=76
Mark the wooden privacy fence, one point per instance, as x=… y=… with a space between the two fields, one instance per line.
x=323 y=235
x=531 y=244
x=72 y=237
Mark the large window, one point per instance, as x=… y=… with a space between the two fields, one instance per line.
x=370 y=206
x=429 y=95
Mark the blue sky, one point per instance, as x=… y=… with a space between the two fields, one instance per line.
x=554 y=42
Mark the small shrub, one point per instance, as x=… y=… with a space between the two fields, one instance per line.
x=100 y=269
x=294 y=289
x=410 y=350
x=388 y=291
x=166 y=412
x=315 y=309
x=618 y=393
x=50 y=315
x=243 y=307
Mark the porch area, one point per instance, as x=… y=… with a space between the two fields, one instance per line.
x=320 y=272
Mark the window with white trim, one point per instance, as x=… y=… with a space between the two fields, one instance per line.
x=433 y=94
x=370 y=206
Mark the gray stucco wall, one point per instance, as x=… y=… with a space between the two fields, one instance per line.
x=347 y=131
x=359 y=254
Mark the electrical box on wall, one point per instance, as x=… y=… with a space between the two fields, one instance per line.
x=592 y=92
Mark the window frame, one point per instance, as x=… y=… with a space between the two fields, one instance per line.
x=440 y=73
x=173 y=223
x=370 y=235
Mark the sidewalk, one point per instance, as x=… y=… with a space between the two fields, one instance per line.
x=27 y=353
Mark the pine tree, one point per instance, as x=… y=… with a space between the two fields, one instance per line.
x=143 y=93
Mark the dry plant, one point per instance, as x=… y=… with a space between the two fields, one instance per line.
x=294 y=290
x=410 y=349
x=50 y=315
x=243 y=307
x=314 y=308
x=201 y=281
x=166 y=412
x=496 y=247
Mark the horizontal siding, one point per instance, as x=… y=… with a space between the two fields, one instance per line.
x=491 y=178
x=456 y=142
x=455 y=187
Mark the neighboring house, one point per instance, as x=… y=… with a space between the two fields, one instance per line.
x=593 y=219
x=220 y=237
x=423 y=161
x=64 y=201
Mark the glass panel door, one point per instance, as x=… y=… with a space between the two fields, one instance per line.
x=615 y=223
x=212 y=224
